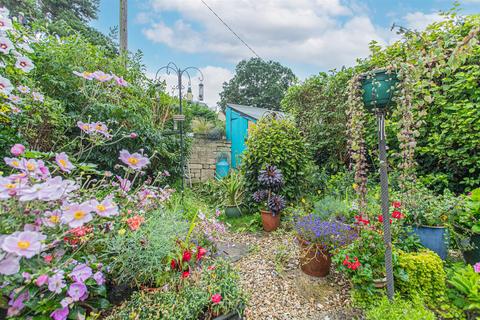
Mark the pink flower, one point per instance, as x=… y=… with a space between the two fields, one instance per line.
x=13 y=162
x=125 y=184
x=85 y=127
x=24 y=63
x=135 y=161
x=16 y=304
x=201 y=252
x=5 y=23
x=48 y=258
x=135 y=222
x=85 y=75
x=41 y=280
x=133 y=135
x=10 y=188
x=63 y=162
x=102 y=76
x=10 y=264
x=187 y=255
x=5 y=45
x=56 y=282
x=26 y=244
x=5 y=85
x=99 y=278
x=23 y=89
x=476 y=267
x=77 y=214
x=52 y=218
x=106 y=208
x=120 y=81
x=60 y=314
x=77 y=291
x=14 y=98
x=37 y=96
x=216 y=298
x=17 y=149
x=50 y=190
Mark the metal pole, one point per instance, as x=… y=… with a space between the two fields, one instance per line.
x=181 y=128
x=387 y=236
x=123 y=27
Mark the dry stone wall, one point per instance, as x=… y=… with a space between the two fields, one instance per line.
x=203 y=157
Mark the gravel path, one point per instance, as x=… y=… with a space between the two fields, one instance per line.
x=278 y=289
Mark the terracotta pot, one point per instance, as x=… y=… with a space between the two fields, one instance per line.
x=314 y=260
x=270 y=222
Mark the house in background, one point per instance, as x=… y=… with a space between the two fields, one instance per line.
x=238 y=120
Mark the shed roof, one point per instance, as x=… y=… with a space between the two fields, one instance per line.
x=252 y=112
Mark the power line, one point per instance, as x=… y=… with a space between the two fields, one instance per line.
x=231 y=30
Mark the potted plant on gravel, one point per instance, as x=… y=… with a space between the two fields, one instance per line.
x=233 y=190
x=317 y=238
x=272 y=203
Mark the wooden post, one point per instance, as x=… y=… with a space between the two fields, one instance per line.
x=123 y=27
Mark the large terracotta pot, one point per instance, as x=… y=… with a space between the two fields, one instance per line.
x=270 y=222
x=314 y=260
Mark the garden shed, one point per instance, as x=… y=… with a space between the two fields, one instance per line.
x=238 y=120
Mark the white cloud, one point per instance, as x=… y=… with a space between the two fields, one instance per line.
x=325 y=33
x=213 y=80
x=419 y=20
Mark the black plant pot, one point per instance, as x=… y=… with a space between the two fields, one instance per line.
x=119 y=293
x=230 y=316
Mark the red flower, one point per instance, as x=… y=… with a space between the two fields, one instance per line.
x=201 y=252
x=48 y=258
x=352 y=265
x=185 y=274
x=216 y=298
x=380 y=218
x=396 y=204
x=360 y=220
x=135 y=222
x=212 y=267
x=173 y=264
x=187 y=255
x=397 y=214
x=345 y=262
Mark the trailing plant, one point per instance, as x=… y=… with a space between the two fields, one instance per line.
x=399 y=309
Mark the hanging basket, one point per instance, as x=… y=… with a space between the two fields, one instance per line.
x=378 y=88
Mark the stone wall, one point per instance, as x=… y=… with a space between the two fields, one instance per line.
x=203 y=157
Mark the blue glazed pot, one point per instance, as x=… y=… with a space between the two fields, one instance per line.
x=433 y=238
x=221 y=168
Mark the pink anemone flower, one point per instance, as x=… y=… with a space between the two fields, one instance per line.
x=13 y=162
x=26 y=244
x=102 y=76
x=77 y=214
x=52 y=218
x=5 y=45
x=135 y=161
x=85 y=75
x=63 y=162
x=106 y=208
x=17 y=149
x=5 y=85
x=37 y=96
x=24 y=63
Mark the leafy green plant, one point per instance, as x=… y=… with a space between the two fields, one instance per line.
x=469 y=218
x=276 y=142
x=201 y=125
x=140 y=257
x=233 y=188
x=331 y=207
x=399 y=309
x=465 y=288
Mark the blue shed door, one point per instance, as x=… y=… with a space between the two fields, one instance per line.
x=239 y=127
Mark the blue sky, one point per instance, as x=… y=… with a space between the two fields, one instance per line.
x=308 y=36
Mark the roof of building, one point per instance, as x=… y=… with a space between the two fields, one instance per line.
x=253 y=112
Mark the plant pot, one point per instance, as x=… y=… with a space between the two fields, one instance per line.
x=433 y=238
x=314 y=261
x=232 y=211
x=230 y=316
x=378 y=89
x=380 y=282
x=270 y=222
x=473 y=256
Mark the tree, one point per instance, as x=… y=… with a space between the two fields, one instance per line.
x=257 y=83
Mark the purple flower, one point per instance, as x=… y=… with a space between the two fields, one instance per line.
x=99 y=278
x=17 y=149
x=14 y=99
x=23 y=89
x=81 y=273
x=135 y=161
x=476 y=267
x=56 y=282
x=106 y=208
x=85 y=127
x=120 y=81
x=271 y=177
x=5 y=85
x=9 y=188
x=102 y=76
x=85 y=75
x=16 y=304
x=13 y=162
x=50 y=190
x=9 y=264
x=52 y=218
x=77 y=290
x=37 y=96
x=125 y=184
x=26 y=244
x=60 y=314
x=5 y=45
x=63 y=162
x=276 y=203
x=260 y=195
x=76 y=215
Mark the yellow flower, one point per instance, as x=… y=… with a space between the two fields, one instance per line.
x=303 y=200
x=354 y=186
x=121 y=232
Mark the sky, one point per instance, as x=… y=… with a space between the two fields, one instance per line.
x=308 y=36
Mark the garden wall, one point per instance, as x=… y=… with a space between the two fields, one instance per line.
x=203 y=157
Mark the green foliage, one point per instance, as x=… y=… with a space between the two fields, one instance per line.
x=399 y=309
x=192 y=301
x=331 y=207
x=425 y=276
x=140 y=257
x=276 y=142
x=257 y=83
x=232 y=187
x=201 y=126
x=465 y=288
x=319 y=108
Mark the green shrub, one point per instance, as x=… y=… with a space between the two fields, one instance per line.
x=140 y=257
x=425 y=275
x=192 y=301
x=276 y=142
x=400 y=310
x=464 y=289
x=331 y=207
